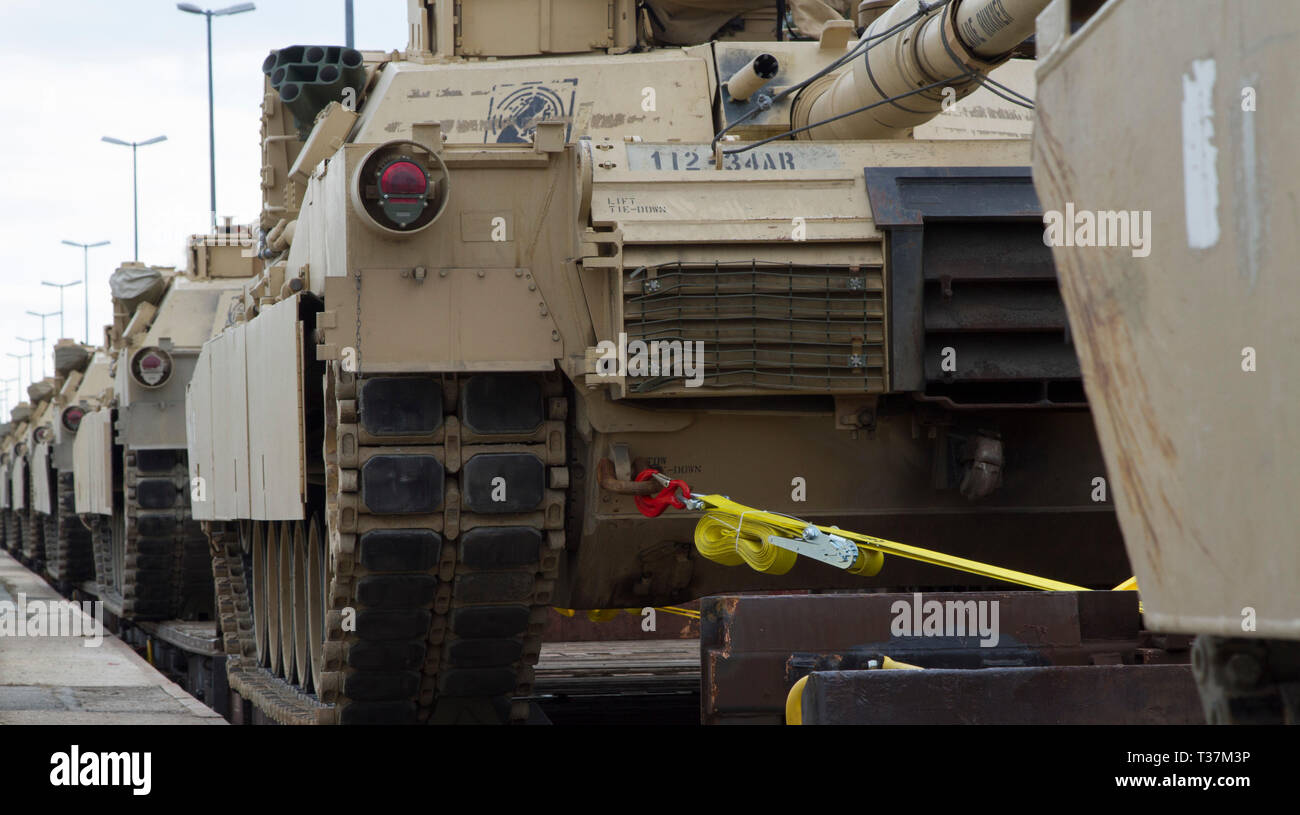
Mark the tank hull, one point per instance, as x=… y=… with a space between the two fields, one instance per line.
x=1185 y=342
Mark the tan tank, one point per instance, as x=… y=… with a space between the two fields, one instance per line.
x=11 y=537
x=61 y=541
x=31 y=430
x=130 y=485
x=6 y=449
x=36 y=463
x=1185 y=302
x=425 y=431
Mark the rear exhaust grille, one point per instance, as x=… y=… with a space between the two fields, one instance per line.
x=976 y=316
x=991 y=300
x=764 y=326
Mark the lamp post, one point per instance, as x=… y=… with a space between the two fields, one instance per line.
x=135 y=195
x=61 y=287
x=18 y=359
x=18 y=379
x=86 y=247
x=212 y=137
x=42 y=340
x=31 y=372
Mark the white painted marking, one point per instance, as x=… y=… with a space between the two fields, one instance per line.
x=1200 y=171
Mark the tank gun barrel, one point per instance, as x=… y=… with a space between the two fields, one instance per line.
x=911 y=46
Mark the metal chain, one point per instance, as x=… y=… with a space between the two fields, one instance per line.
x=357 y=362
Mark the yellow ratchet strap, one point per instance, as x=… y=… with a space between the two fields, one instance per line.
x=604 y=615
x=1131 y=585
x=794 y=699
x=794 y=702
x=731 y=534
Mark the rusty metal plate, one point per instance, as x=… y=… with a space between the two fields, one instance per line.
x=753 y=648
x=1099 y=694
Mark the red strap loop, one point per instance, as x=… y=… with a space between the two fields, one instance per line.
x=652 y=505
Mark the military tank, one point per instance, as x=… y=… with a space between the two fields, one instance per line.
x=5 y=427
x=80 y=376
x=9 y=433
x=130 y=473
x=26 y=486
x=1185 y=303
x=518 y=274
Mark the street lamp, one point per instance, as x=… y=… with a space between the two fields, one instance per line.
x=18 y=379
x=18 y=359
x=86 y=247
x=43 y=316
x=135 y=196
x=31 y=372
x=212 y=136
x=61 y=287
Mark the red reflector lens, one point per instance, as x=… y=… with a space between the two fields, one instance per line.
x=151 y=367
x=403 y=181
x=72 y=418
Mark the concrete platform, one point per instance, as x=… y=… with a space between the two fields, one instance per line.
x=58 y=680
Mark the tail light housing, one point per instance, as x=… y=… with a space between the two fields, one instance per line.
x=151 y=367
x=40 y=434
x=71 y=418
x=400 y=188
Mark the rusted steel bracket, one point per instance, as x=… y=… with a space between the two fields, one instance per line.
x=621 y=486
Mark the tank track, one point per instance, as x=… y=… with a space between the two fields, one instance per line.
x=101 y=544
x=33 y=537
x=68 y=555
x=449 y=595
x=166 y=566
x=9 y=530
x=277 y=699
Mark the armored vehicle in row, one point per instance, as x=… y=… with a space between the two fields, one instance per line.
x=131 y=484
x=1188 y=347
x=80 y=376
x=24 y=529
x=550 y=250
x=7 y=524
x=10 y=430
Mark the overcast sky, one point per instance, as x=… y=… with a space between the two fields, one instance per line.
x=132 y=69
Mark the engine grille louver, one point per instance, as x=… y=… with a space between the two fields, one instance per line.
x=764 y=325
